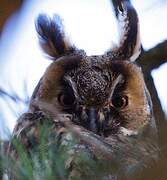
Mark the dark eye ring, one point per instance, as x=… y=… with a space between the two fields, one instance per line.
x=66 y=100
x=120 y=102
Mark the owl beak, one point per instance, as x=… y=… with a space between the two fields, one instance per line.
x=93 y=119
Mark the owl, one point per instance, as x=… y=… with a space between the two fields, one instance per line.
x=105 y=94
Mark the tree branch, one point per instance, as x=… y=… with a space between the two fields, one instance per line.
x=154 y=57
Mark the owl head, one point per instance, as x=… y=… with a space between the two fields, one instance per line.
x=104 y=93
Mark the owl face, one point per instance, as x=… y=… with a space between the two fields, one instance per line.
x=101 y=93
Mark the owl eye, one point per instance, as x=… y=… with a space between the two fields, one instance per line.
x=66 y=99
x=120 y=101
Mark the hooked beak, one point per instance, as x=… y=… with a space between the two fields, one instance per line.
x=92 y=119
x=101 y=122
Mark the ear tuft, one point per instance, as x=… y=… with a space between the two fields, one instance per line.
x=52 y=37
x=130 y=45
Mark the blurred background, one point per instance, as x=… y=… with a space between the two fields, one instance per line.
x=92 y=26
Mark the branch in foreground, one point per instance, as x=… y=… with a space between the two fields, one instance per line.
x=73 y=152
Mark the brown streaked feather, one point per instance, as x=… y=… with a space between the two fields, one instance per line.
x=129 y=46
x=52 y=37
x=48 y=87
x=137 y=112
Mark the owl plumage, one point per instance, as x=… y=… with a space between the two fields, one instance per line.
x=102 y=93
x=105 y=96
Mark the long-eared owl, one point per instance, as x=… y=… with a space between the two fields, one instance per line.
x=104 y=94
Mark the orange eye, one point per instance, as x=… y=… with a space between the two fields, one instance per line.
x=120 y=101
x=66 y=100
